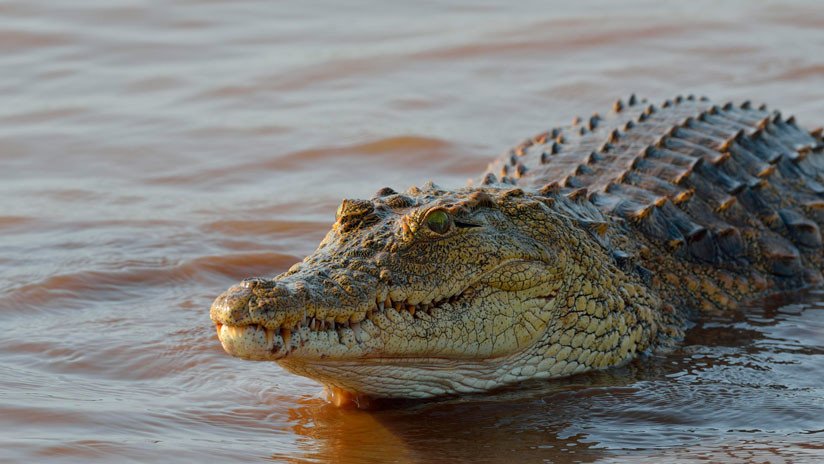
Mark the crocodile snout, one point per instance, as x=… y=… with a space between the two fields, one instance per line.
x=242 y=323
x=232 y=306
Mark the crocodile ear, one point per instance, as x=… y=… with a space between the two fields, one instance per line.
x=465 y=225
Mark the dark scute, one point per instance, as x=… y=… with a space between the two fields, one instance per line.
x=481 y=200
x=384 y=192
x=398 y=201
x=802 y=230
x=489 y=179
x=782 y=257
x=731 y=243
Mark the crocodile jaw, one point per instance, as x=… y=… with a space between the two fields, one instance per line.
x=461 y=326
x=464 y=343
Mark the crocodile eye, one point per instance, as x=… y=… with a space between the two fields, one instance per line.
x=438 y=221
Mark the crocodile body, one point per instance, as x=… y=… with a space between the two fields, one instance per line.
x=577 y=250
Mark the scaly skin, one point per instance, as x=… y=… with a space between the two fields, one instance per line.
x=595 y=245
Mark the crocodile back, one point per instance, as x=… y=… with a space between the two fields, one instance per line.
x=729 y=189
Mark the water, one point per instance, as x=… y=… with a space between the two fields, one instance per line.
x=154 y=153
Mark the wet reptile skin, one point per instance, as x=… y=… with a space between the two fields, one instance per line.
x=580 y=249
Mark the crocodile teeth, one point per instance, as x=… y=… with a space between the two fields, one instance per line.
x=235 y=331
x=358 y=331
x=286 y=335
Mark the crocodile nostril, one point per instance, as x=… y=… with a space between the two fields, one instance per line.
x=231 y=307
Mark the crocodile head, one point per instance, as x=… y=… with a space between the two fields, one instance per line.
x=436 y=292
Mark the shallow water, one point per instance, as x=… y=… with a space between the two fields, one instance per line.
x=153 y=153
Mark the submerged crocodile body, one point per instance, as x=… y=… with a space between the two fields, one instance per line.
x=578 y=250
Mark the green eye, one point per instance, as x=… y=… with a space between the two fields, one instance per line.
x=438 y=221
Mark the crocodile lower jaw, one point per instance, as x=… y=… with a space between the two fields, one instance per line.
x=262 y=342
x=258 y=342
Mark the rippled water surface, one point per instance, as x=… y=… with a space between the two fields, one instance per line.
x=153 y=153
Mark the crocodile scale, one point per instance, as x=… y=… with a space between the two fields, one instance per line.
x=582 y=248
x=732 y=186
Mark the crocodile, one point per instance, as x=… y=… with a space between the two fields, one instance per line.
x=582 y=248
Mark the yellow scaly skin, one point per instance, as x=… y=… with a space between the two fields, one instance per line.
x=526 y=292
x=691 y=207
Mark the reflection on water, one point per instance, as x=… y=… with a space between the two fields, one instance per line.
x=153 y=153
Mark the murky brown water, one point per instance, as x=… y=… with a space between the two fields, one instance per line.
x=153 y=153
